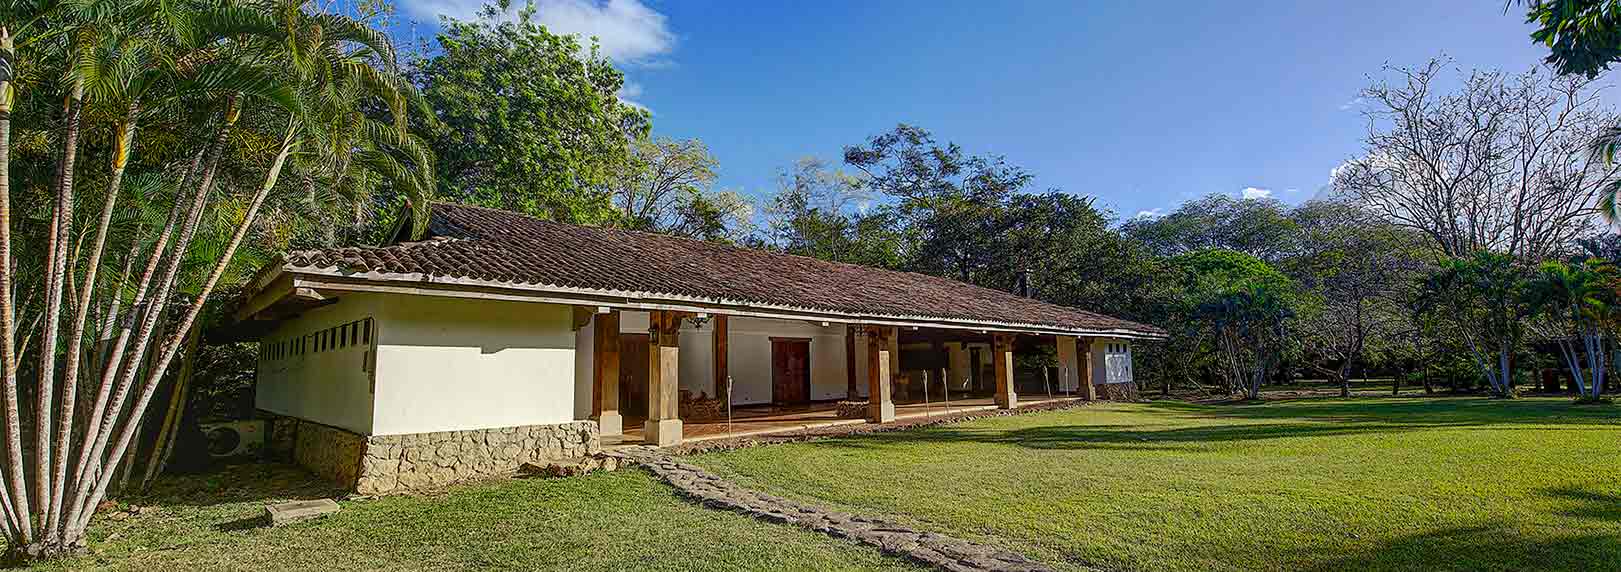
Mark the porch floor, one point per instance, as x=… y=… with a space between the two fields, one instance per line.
x=756 y=420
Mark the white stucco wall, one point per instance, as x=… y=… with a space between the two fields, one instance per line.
x=749 y=358
x=448 y=364
x=1111 y=361
x=331 y=386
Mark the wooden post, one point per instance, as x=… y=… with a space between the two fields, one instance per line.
x=721 y=368
x=663 y=425
x=880 y=405
x=1006 y=396
x=1069 y=373
x=605 y=373
x=1083 y=352
x=850 y=373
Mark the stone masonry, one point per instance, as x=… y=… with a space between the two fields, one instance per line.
x=427 y=460
x=381 y=464
x=936 y=550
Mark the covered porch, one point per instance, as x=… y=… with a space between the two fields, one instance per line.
x=665 y=377
x=767 y=420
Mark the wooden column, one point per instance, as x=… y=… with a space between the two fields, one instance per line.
x=605 y=373
x=722 y=370
x=1068 y=364
x=850 y=390
x=1089 y=391
x=663 y=425
x=1002 y=355
x=880 y=403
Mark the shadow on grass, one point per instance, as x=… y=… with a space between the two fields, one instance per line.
x=1493 y=547
x=239 y=483
x=1589 y=503
x=1195 y=423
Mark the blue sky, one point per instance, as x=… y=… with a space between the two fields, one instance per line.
x=1141 y=104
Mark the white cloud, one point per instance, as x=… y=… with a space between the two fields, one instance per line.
x=1150 y=213
x=1354 y=103
x=629 y=92
x=629 y=31
x=1255 y=193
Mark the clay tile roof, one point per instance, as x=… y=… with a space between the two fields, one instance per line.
x=507 y=249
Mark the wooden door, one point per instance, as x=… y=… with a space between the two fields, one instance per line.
x=790 y=371
x=633 y=374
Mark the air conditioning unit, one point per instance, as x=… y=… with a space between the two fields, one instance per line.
x=230 y=439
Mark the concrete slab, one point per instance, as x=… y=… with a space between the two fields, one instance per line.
x=295 y=511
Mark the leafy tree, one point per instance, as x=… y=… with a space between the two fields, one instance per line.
x=661 y=174
x=223 y=96
x=526 y=119
x=1259 y=227
x=1583 y=36
x=818 y=212
x=1354 y=270
x=1240 y=307
x=1483 y=299
x=1577 y=308
x=953 y=204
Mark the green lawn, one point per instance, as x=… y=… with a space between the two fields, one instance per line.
x=605 y=521
x=1319 y=484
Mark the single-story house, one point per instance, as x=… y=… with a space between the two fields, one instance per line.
x=499 y=339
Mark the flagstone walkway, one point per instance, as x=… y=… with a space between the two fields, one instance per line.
x=940 y=551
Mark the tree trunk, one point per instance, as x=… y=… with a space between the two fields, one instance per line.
x=171 y=418
x=172 y=345
x=16 y=497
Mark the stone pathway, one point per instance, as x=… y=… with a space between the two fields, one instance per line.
x=940 y=551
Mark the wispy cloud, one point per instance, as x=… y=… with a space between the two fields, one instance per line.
x=629 y=31
x=1354 y=103
x=1255 y=193
x=1150 y=213
x=629 y=92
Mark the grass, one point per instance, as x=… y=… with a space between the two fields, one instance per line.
x=1445 y=483
x=604 y=521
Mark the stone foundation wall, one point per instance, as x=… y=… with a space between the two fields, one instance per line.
x=1126 y=391
x=381 y=464
x=424 y=460
x=330 y=452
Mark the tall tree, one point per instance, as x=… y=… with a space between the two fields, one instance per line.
x=1501 y=163
x=1483 y=299
x=954 y=203
x=527 y=119
x=1258 y=227
x=1577 y=308
x=238 y=88
x=1354 y=270
x=1241 y=308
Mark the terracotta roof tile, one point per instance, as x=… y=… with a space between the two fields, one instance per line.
x=497 y=246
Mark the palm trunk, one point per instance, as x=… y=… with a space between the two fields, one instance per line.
x=172 y=345
x=70 y=374
x=54 y=280
x=115 y=355
x=21 y=529
x=144 y=339
x=176 y=410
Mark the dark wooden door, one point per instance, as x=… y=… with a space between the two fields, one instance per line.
x=790 y=371
x=633 y=374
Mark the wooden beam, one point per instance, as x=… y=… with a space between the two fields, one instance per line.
x=1083 y=351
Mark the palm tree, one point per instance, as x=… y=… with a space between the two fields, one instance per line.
x=165 y=58
x=1577 y=304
